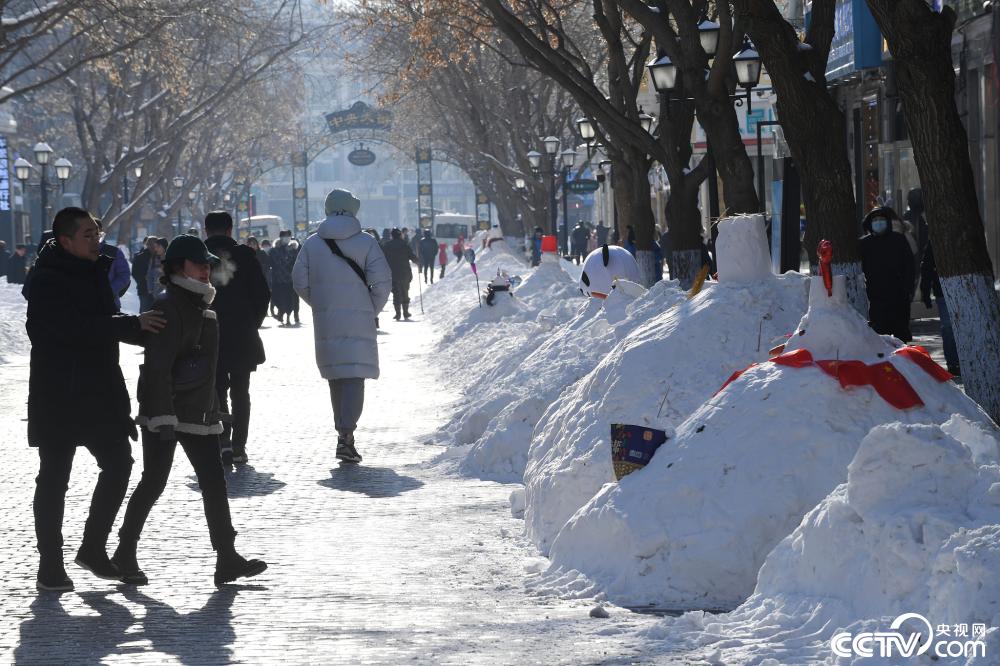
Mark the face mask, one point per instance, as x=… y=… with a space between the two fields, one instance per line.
x=880 y=225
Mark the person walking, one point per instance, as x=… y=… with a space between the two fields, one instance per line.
x=119 y=274
x=154 y=282
x=241 y=300
x=262 y=258
x=536 y=247
x=930 y=284
x=17 y=265
x=399 y=255
x=579 y=242
x=428 y=253
x=140 y=269
x=4 y=256
x=178 y=403
x=76 y=392
x=283 y=255
x=458 y=249
x=344 y=277
x=442 y=258
x=887 y=262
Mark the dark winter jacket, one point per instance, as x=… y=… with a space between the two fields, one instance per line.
x=76 y=392
x=241 y=300
x=140 y=269
x=399 y=255
x=579 y=238
x=177 y=377
x=264 y=259
x=17 y=268
x=428 y=250
x=4 y=256
x=887 y=262
x=283 y=256
x=930 y=283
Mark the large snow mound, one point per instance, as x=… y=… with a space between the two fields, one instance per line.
x=657 y=375
x=13 y=308
x=915 y=528
x=568 y=353
x=692 y=529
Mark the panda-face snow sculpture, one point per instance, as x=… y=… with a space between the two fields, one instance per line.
x=605 y=265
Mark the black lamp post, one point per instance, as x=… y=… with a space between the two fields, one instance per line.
x=23 y=169
x=178 y=185
x=568 y=158
x=551 y=144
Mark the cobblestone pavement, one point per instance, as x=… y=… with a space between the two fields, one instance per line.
x=387 y=562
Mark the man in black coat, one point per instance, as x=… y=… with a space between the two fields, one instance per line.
x=428 y=251
x=140 y=271
x=241 y=300
x=4 y=256
x=399 y=255
x=887 y=261
x=579 y=240
x=76 y=392
x=17 y=265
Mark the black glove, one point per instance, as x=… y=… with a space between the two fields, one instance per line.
x=166 y=433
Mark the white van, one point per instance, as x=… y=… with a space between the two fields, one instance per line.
x=449 y=226
x=261 y=227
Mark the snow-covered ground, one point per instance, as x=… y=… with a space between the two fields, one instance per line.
x=805 y=505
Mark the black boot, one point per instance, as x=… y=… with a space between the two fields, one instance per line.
x=396 y=308
x=231 y=565
x=94 y=558
x=124 y=558
x=406 y=311
x=52 y=575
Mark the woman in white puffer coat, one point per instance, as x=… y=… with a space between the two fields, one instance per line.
x=344 y=306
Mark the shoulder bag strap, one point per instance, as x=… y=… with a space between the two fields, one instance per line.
x=332 y=244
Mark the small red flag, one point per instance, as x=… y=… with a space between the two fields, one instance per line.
x=919 y=355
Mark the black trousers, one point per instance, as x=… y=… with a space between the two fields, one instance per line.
x=157 y=458
x=234 y=384
x=429 y=271
x=400 y=292
x=55 y=465
x=891 y=318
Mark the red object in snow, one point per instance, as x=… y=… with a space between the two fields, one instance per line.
x=825 y=252
x=549 y=244
x=919 y=355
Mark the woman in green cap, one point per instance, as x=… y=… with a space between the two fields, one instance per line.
x=178 y=403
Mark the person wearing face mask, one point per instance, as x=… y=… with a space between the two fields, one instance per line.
x=887 y=262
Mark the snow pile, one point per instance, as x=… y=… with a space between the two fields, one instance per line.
x=13 y=338
x=914 y=529
x=735 y=263
x=518 y=400
x=692 y=529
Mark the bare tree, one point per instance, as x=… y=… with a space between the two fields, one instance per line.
x=920 y=42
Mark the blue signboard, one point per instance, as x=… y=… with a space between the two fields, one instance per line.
x=6 y=228
x=857 y=42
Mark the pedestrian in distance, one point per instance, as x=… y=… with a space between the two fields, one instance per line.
x=578 y=241
x=428 y=253
x=442 y=258
x=399 y=255
x=178 y=403
x=119 y=274
x=4 y=256
x=458 y=249
x=17 y=265
x=262 y=258
x=241 y=300
x=536 y=246
x=140 y=269
x=887 y=262
x=930 y=285
x=283 y=256
x=154 y=281
x=344 y=276
x=76 y=391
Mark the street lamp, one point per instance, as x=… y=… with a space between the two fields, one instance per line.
x=43 y=152
x=178 y=185
x=663 y=71
x=568 y=158
x=137 y=170
x=645 y=120
x=22 y=169
x=748 y=66
x=551 y=145
x=63 y=167
x=708 y=35
x=535 y=159
x=519 y=184
x=586 y=128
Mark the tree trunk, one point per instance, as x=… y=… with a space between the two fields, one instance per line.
x=684 y=220
x=920 y=42
x=634 y=207
x=718 y=118
x=815 y=129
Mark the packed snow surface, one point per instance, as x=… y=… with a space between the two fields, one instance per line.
x=692 y=529
x=13 y=338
